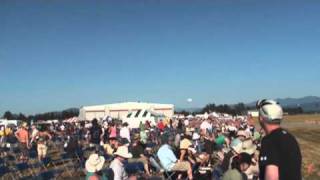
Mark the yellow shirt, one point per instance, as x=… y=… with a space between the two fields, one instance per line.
x=109 y=150
x=185 y=143
x=8 y=131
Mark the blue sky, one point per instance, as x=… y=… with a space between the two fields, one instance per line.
x=60 y=54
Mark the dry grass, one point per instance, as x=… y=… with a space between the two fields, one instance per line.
x=306 y=128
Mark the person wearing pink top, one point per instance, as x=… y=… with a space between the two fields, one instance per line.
x=113 y=131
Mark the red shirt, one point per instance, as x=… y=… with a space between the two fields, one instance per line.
x=22 y=135
x=160 y=126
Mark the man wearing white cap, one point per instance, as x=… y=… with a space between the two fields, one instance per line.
x=117 y=165
x=280 y=156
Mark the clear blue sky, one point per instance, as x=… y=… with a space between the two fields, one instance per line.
x=60 y=54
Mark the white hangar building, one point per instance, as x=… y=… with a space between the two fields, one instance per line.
x=121 y=110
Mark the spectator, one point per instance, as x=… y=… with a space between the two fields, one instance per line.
x=112 y=130
x=240 y=163
x=42 y=148
x=22 y=135
x=137 y=150
x=93 y=166
x=125 y=132
x=117 y=165
x=280 y=156
x=95 y=134
x=168 y=159
x=112 y=146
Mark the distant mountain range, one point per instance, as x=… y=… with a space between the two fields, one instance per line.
x=307 y=103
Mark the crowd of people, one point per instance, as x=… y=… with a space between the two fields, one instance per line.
x=199 y=148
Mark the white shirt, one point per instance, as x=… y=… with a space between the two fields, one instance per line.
x=118 y=170
x=125 y=133
x=186 y=122
x=205 y=125
x=34 y=133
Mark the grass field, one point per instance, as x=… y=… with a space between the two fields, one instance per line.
x=306 y=128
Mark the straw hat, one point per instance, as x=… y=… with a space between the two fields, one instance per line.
x=94 y=163
x=248 y=147
x=243 y=133
x=123 y=151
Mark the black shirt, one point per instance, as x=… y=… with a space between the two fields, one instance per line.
x=95 y=133
x=280 y=148
x=137 y=150
x=209 y=146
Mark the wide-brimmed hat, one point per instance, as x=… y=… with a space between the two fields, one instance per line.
x=123 y=151
x=248 y=146
x=94 y=163
x=243 y=134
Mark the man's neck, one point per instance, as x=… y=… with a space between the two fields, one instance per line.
x=272 y=128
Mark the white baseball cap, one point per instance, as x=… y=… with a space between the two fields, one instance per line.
x=270 y=110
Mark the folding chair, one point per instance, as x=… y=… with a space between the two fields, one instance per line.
x=80 y=158
x=64 y=160
x=3 y=170
x=22 y=167
x=47 y=175
x=6 y=170
x=168 y=175
x=134 y=168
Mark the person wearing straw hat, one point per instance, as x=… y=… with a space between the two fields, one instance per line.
x=93 y=165
x=117 y=165
x=22 y=135
x=242 y=135
x=248 y=147
x=280 y=156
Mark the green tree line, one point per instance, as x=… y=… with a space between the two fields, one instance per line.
x=60 y=115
